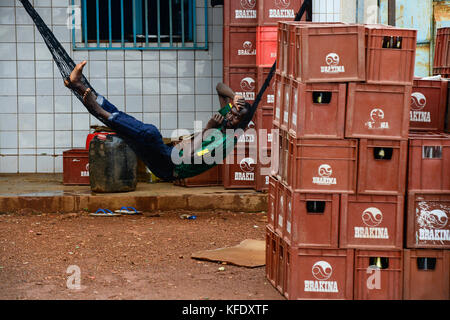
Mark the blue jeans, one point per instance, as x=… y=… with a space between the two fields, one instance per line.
x=145 y=140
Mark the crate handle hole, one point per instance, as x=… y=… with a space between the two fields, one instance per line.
x=381 y=153
x=315 y=207
x=392 y=42
x=379 y=262
x=432 y=152
x=426 y=263
x=321 y=97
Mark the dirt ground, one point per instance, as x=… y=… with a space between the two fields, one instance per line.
x=128 y=257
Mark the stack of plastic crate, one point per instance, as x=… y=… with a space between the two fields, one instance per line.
x=441 y=61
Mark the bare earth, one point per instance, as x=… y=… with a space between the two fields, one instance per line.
x=128 y=257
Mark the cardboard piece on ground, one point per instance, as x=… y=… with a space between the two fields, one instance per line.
x=249 y=253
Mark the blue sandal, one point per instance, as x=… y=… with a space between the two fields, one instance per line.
x=102 y=213
x=127 y=211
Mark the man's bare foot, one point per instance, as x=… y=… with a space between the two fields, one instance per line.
x=75 y=76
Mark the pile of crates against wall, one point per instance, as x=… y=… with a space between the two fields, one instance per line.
x=249 y=51
x=441 y=62
x=337 y=198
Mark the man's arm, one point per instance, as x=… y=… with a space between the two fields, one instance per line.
x=227 y=95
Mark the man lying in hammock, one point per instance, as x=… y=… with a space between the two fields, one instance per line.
x=146 y=140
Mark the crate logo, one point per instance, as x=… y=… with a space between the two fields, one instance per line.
x=431 y=223
x=281 y=10
x=321 y=271
x=332 y=60
x=418 y=102
x=246 y=138
x=247 y=86
x=247 y=167
x=85 y=173
x=248 y=10
x=325 y=172
x=371 y=217
x=376 y=120
x=247 y=49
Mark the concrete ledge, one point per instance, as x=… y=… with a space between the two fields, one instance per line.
x=47 y=194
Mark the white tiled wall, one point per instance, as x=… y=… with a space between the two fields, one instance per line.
x=39 y=118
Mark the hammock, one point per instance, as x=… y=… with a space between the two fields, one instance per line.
x=66 y=65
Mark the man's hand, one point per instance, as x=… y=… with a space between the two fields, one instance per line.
x=239 y=101
x=215 y=121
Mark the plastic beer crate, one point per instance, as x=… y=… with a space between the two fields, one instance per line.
x=317 y=110
x=76 y=167
x=442 y=51
x=266 y=40
x=239 y=46
x=240 y=13
x=426 y=274
x=428 y=105
x=239 y=169
x=382 y=166
x=371 y=222
x=271 y=246
x=429 y=162
x=377 y=111
x=378 y=275
x=390 y=55
x=272 y=202
x=427 y=220
x=278 y=98
x=268 y=97
x=242 y=80
x=272 y=11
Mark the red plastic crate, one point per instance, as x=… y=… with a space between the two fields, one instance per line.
x=272 y=202
x=320 y=274
x=317 y=110
x=426 y=274
x=262 y=170
x=285 y=47
x=76 y=167
x=243 y=81
x=312 y=219
x=264 y=118
x=240 y=13
x=428 y=105
x=280 y=159
x=429 y=162
x=279 y=96
x=268 y=97
x=280 y=212
x=371 y=222
x=382 y=166
x=266 y=40
x=377 y=111
x=272 y=11
x=428 y=224
x=239 y=169
x=282 y=280
x=239 y=46
x=271 y=255
x=322 y=165
x=444 y=72
x=378 y=282
x=211 y=177
x=390 y=55
x=442 y=49
x=329 y=53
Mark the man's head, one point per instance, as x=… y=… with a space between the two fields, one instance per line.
x=236 y=115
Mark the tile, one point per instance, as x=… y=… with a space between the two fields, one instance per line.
x=99 y=85
x=150 y=68
x=46 y=15
x=133 y=86
x=133 y=55
x=44 y=87
x=217 y=34
x=79 y=138
x=63 y=104
x=77 y=106
x=118 y=102
x=217 y=16
x=151 y=103
x=8 y=139
x=133 y=69
x=59 y=88
x=169 y=120
x=25 y=34
x=186 y=85
x=170 y=55
x=94 y=121
x=27 y=122
x=97 y=69
x=150 y=55
x=63 y=121
x=186 y=55
x=42 y=52
x=168 y=68
x=45 y=164
x=203 y=85
x=8 y=122
x=80 y=121
x=9 y=164
x=186 y=102
x=203 y=103
x=202 y=55
x=63 y=139
x=217 y=68
x=203 y=117
x=186 y=120
x=151 y=86
x=133 y=104
x=152 y=118
x=27 y=164
x=8 y=69
x=44 y=104
x=25 y=51
x=169 y=103
x=27 y=139
x=25 y=86
x=26 y=69
x=27 y=104
x=186 y=68
x=8 y=51
x=202 y=68
x=8 y=104
x=7 y=3
x=8 y=87
x=97 y=55
x=115 y=55
x=62 y=33
x=168 y=85
x=45 y=139
x=45 y=121
x=217 y=51
x=44 y=69
x=61 y=3
x=22 y=17
x=42 y=3
x=7 y=33
x=116 y=86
